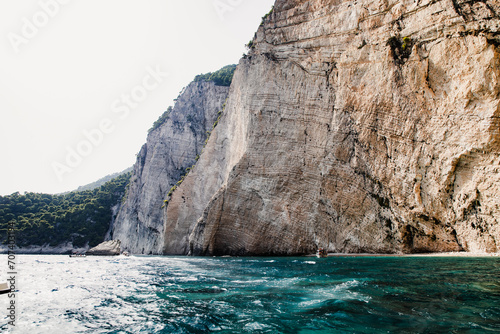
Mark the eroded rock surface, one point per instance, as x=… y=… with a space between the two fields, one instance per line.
x=355 y=126
x=169 y=151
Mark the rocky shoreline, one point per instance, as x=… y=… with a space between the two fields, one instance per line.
x=46 y=249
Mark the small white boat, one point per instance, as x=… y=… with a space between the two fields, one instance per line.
x=4 y=288
x=77 y=255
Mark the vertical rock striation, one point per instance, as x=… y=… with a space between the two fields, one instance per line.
x=170 y=150
x=356 y=126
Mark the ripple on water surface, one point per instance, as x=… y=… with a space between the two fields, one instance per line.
x=59 y=294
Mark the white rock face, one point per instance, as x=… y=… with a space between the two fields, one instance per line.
x=106 y=248
x=355 y=126
x=169 y=151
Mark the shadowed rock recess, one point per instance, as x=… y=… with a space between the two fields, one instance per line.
x=355 y=126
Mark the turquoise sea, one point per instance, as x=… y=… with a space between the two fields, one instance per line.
x=59 y=294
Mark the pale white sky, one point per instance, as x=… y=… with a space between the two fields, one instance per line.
x=81 y=81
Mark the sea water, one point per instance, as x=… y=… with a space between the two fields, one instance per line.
x=59 y=294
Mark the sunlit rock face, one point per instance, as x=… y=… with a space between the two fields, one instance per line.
x=106 y=248
x=170 y=150
x=355 y=126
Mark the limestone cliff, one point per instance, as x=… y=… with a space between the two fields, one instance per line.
x=171 y=148
x=357 y=126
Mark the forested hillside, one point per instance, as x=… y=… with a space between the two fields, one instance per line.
x=80 y=217
x=103 y=180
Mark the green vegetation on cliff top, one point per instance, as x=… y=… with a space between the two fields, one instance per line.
x=162 y=119
x=222 y=77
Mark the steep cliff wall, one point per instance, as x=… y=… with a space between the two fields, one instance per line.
x=357 y=126
x=170 y=150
